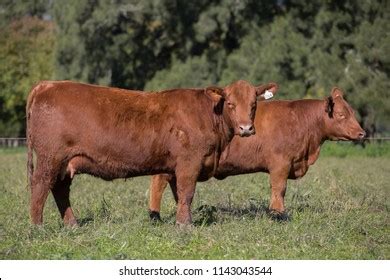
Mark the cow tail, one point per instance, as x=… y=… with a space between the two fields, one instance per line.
x=30 y=159
x=30 y=153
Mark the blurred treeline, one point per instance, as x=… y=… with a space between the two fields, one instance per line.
x=305 y=46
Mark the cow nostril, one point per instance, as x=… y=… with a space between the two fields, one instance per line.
x=246 y=130
x=246 y=127
x=362 y=134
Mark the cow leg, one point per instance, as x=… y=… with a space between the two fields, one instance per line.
x=42 y=181
x=157 y=187
x=173 y=185
x=186 y=182
x=278 y=190
x=60 y=193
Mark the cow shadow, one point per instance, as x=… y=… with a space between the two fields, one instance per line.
x=85 y=220
x=207 y=215
x=253 y=211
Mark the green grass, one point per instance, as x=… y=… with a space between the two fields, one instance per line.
x=348 y=149
x=339 y=210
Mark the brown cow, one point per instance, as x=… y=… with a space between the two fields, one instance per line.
x=288 y=140
x=115 y=133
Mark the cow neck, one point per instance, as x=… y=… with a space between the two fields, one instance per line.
x=327 y=135
x=316 y=124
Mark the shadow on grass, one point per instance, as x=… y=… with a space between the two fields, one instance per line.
x=85 y=220
x=207 y=215
x=253 y=211
x=101 y=212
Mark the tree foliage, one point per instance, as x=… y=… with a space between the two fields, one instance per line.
x=11 y=10
x=26 y=57
x=306 y=46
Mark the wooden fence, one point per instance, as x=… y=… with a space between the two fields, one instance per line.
x=12 y=142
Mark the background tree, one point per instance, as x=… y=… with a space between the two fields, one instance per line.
x=305 y=46
x=26 y=57
x=11 y=10
x=349 y=47
x=275 y=52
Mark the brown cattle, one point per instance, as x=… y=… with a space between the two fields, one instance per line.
x=288 y=140
x=115 y=133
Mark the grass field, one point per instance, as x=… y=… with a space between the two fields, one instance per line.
x=339 y=210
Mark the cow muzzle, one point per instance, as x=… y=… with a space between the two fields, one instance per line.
x=356 y=135
x=246 y=130
x=361 y=135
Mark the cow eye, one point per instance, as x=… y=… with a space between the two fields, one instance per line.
x=231 y=105
x=341 y=116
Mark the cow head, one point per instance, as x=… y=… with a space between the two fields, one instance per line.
x=341 y=123
x=238 y=101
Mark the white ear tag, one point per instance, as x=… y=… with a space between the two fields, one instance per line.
x=268 y=94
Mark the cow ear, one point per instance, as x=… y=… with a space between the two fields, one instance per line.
x=215 y=93
x=329 y=106
x=337 y=92
x=266 y=91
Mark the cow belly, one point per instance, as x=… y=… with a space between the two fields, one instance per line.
x=107 y=169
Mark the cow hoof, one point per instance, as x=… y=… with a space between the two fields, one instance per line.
x=154 y=216
x=278 y=216
x=71 y=224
